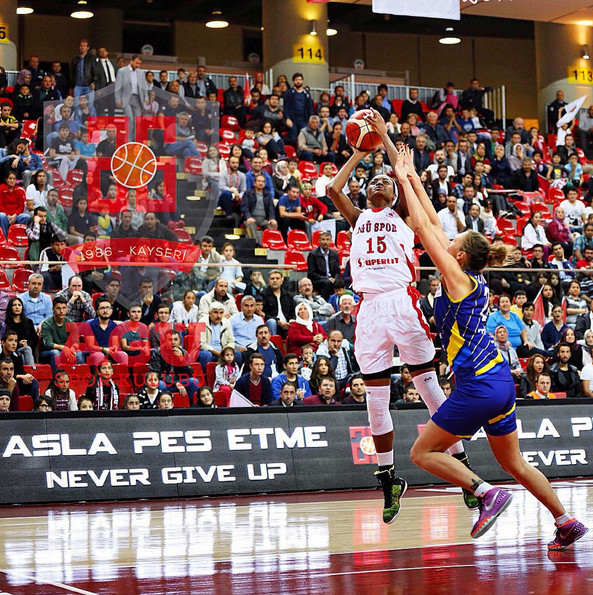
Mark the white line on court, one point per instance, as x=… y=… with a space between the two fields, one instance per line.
x=68 y=588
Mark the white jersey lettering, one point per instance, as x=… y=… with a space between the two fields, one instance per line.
x=382 y=253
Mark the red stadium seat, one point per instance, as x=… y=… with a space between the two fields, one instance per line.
x=224 y=149
x=25 y=403
x=227 y=135
x=308 y=169
x=20 y=278
x=123 y=380
x=521 y=223
x=202 y=148
x=397 y=107
x=298 y=240
x=555 y=195
x=290 y=151
x=344 y=256
x=509 y=239
x=277 y=340
x=272 y=240
x=80 y=377
x=238 y=298
x=343 y=240
x=42 y=373
x=211 y=373
x=183 y=236
x=4 y=282
x=65 y=196
x=504 y=225
x=193 y=165
x=542 y=208
x=292 y=257
x=199 y=373
x=221 y=398
x=180 y=401
x=75 y=177
x=523 y=208
x=8 y=254
x=17 y=236
x=231 y=123
x=29 y=129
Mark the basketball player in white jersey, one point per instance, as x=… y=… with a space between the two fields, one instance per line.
x=381 y=260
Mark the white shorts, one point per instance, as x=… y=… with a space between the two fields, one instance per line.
x=388 y=319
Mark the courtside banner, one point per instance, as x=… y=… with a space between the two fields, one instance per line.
x=184 y=453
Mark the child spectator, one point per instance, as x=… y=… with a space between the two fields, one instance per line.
x=150 y=393
x=131 y=403
x=23 y=103
x=206 y=398
x=232 y=272
x=227 y=372
x=103 y=391
x=574 y=170
x=62 y=395
x=307 y=361
x=165 y=401
x=249 y=143
x=85 y=404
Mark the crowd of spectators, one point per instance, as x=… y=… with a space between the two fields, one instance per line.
x=274 y=347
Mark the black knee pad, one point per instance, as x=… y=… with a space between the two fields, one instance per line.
x=385 y=374
x=416 y=367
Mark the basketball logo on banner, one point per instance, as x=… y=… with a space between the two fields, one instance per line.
x=133 y=165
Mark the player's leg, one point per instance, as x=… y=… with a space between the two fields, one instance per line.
x=428 y=453
x=374 y=353
x=417 y=350
x=381 y=423
x=507 y=453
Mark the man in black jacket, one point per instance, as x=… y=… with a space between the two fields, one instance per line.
x=265 y=347
x=45 y=93
x=323 y=266
x=257 y=209
x=278 y=304
x=205 y=84
x=584 y=322
x=83 y=71
x=525 y=178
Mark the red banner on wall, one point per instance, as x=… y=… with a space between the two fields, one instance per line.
x=133 y=252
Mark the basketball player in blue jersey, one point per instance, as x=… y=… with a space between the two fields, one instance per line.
x=484 y=395
x=382 y=272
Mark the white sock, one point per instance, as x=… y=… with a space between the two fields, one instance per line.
x=385 y=458
x=562 y=519
x=427 y=384
x=482 y=489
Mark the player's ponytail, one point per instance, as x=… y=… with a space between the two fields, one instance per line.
x=480 y=253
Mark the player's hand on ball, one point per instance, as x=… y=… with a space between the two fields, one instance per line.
x=377 y=122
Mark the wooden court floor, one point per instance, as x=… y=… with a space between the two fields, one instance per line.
x=295 y=543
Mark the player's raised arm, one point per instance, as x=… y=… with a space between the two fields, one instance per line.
x=335 y=188
x=378 y=123
x=456 y=280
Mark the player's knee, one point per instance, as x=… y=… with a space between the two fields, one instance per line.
x=416 y=455
x=379 y=417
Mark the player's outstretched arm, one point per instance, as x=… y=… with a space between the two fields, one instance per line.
x=408 y=162
x=457 y=282
x=335 y=192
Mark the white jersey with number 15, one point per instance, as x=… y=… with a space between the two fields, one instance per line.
x=382 y=253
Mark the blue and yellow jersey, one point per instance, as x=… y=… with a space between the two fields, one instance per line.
x=462 y=325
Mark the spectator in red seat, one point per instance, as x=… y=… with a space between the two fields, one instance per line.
x=150 y=393
x=185 y=143
x=534 y=234
x=311 y=143
x=336 y=143
x=257 y=208
x=271 y=111
x=282 y=178
x=558 y=231
x=269 y=139
x=9 y=390
x=567 y=149
x=217 y=335
x=298 y=107
x=13 y=204
x=323 y=266
x=500 y=171
x=103 y=391
x=313 y=208
x=412 y=106
x=254 y=385
x=97 y=336
x=17 y=321
x=9 y=125
x=153 y=229
x=59 y=337
x=233 y=101
x=421 y=154
x=290 y=212
x=304 y=330
x=525 y=178
x=131 y=337
x=59 y=391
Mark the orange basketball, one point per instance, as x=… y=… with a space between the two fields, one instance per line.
x=360 y=134
x=133 y=165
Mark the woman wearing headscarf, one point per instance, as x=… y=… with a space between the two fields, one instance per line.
x=304 y=330
x=559 y=231
x=501 y=339
x=282 y=179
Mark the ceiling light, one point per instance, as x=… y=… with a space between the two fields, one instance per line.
x=313 y=30
x=585 y=52
x=449 y=38
x=217 y=21
x=82 y=11
x=330 y=30
x=22 y=9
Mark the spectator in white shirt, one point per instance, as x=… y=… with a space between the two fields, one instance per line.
x=185 y=310
x=574 y=209
x=452 y=218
